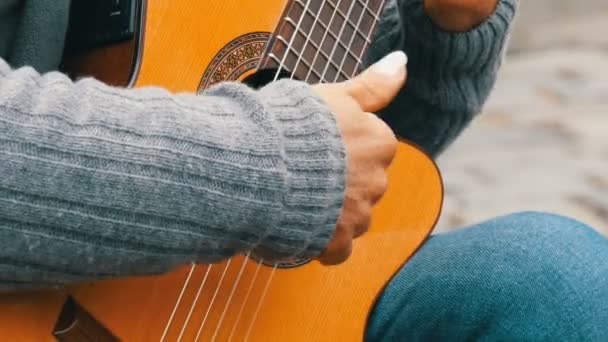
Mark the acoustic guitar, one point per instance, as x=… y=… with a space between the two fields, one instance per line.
x=189 y=45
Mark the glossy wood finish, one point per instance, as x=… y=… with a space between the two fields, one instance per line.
x=240 y=299
x=112 y=65
x=115 y=64
x=182 y=37
x=309 y=303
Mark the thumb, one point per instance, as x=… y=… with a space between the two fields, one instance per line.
x=376 y=87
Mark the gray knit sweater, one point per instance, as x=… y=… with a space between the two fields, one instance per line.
x=99 y=182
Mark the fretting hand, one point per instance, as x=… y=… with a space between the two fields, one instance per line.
x=459 y=15
x=370 y=145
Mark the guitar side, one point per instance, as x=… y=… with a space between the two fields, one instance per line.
x=239 y=299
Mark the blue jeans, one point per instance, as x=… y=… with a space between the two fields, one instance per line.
x=523 y=277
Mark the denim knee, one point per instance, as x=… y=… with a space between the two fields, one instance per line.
x=535 y=228
x=525 y=276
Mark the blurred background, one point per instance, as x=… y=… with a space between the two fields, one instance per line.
x=542 y=142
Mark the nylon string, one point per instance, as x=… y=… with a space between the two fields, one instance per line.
x=267 y=286
x=276 y=76
x=333 y=50
x=280 y=67
x=193 y=305
x=314 y=60
x=312 y=27
x=179 y=300
x=234 y=287
x=238 y=316
x=368 y=38
x=217 y=290
x=352 y=39
x=289 y=46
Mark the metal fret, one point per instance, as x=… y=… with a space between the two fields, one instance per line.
x=347 y=19
x=369 y=10
x=355 y=57
x=337 y=56
x=365 y=8
x=278 y=60
x=309 y=64
x=333 y=50
x=371 y=32
x=350 y=43
x=326 y=26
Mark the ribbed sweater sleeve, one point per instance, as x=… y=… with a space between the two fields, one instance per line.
x=99 y=182
x=450 y=74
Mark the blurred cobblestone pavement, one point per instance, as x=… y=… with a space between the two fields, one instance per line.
x=541 y=142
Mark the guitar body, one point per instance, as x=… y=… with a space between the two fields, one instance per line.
x=187 y=45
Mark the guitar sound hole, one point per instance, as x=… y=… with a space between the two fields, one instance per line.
x=262 y=77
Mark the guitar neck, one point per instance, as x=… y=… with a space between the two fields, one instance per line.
x=323 y=40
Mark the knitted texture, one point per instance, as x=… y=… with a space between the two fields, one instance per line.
x=10 y=12
x=100 y=182
x=40 y=34
x=450 y=74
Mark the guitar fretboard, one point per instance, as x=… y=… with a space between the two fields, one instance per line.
x=323 y=40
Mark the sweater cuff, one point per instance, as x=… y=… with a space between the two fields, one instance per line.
x=450 y=74
x=315 y=166
x=476 y=51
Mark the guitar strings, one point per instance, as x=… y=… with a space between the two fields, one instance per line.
x=257 y=310
x=333 y=50
x=314 y=60
x=179 y=300
x=370 y=34
x=368 y=38
x=350 y=43
x=187 y=281
x=228 y=263
x=238 y=317
x=193 y=305
x=296 y=31
x=308 y=36
x=281 y=65
x=210 y=306
x=219 y=324
x=293 y=37
x=277 y=74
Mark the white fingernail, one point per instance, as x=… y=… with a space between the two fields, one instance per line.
x=392 y=63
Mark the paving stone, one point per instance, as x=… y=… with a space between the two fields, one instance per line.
x=541 y=141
